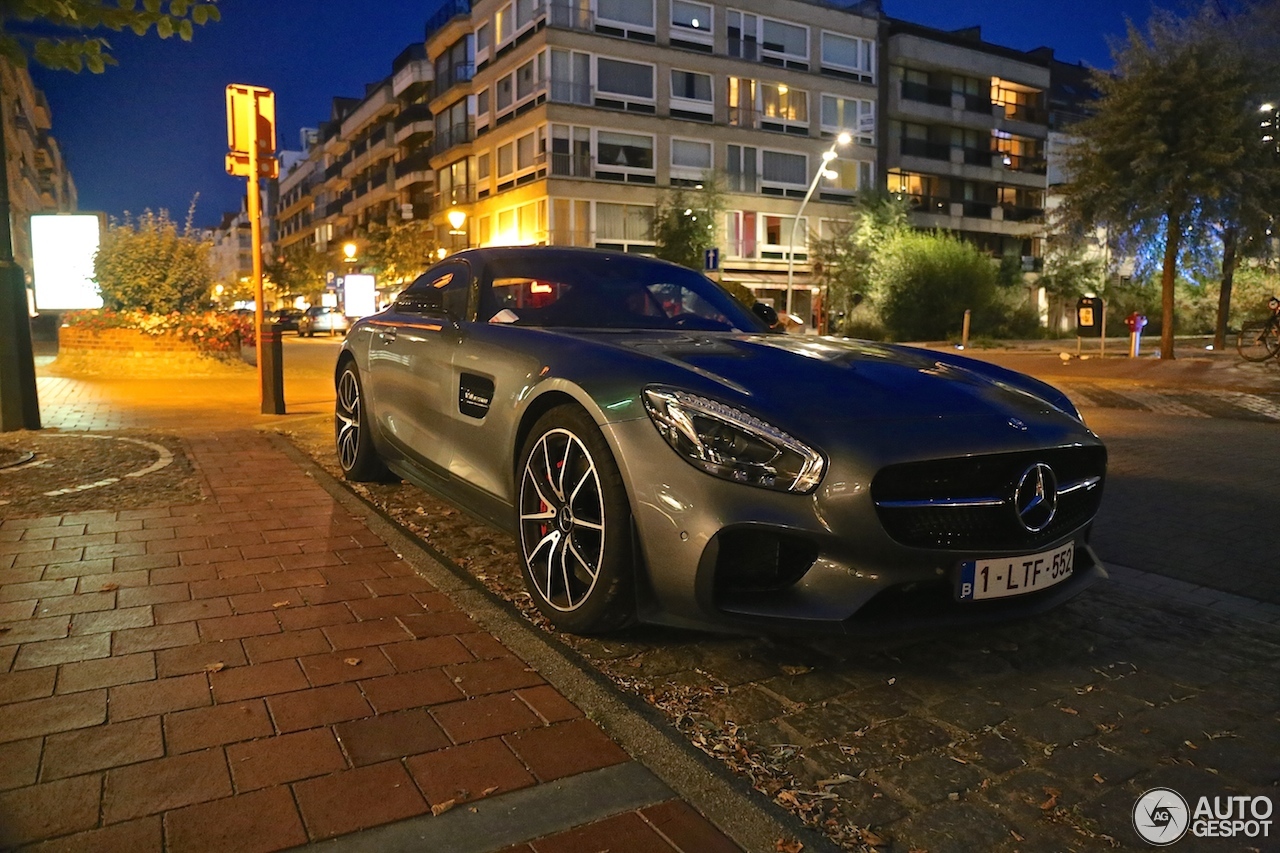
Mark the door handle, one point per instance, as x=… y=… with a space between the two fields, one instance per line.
x=389 y=334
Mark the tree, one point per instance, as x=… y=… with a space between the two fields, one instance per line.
x=1166 y=143
x=845 y=261
x=24 y=24
x=399 y=250
x=300 y=269
x=148 y=265
x=684 y=226
x=928 y=280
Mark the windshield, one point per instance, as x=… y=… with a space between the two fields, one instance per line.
x=603 y=291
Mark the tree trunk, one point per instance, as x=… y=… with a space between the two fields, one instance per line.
x=1230 y=237
x=1172 y=241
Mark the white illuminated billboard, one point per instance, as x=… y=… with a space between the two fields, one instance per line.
x=361 y=299
x=62 y=250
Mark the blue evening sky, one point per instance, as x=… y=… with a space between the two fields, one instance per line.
x=151 y=132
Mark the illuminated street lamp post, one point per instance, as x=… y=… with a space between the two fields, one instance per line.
x=827 y=156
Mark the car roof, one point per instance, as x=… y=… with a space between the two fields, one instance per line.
x=480 y=257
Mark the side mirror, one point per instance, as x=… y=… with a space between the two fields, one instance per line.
x=767 y=314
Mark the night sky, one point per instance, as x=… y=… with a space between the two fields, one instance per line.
x=151 y=132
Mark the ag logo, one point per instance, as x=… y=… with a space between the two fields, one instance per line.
x=1161 y=816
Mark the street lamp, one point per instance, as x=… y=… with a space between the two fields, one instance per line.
x=349 y=252
x=823 y=172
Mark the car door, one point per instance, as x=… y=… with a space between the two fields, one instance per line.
x=410 y=358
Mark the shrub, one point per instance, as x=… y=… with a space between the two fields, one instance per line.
x=928 y=281
x=212 y=332
x=148 y=265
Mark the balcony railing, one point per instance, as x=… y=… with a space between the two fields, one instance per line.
x=571 y=165
x=919 y=203
x=564 y=92
x=411 y=114
x=458 y=72
x=419 y=161
x=1023 y=163
x=456 y=135
x=1020 y=213
x=446 y=13
x=925 y=148
x=978 y=104
x=743 y=49
x=978 y=156
x=568 y=16
x=927 y=94
x=461 y=194
x=741 y=182
x=1025 y=112
x=977 y=209
x=744 y=116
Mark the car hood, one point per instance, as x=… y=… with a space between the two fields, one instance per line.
x=834 y=380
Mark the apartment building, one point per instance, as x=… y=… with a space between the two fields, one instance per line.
x=38 y=178
x=965 y=136
x=563 y=122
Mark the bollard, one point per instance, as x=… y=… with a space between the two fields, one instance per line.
x=271 y=370
x=1136 y=323
x=19 y=402
x=964 y=335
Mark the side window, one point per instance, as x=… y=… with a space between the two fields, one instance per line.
x=448 y=286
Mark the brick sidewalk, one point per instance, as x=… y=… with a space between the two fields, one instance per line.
x=259 y=671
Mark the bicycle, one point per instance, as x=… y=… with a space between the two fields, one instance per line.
x=1259 y=340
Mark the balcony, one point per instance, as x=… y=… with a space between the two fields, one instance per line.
x=742 y=182
x=564 y=92
x=1020 y=213
x=446 y=13
x=976 y=209
x=458 y=72
x=979 y=157
x=463 y=194
x=744 y=116
x=926 y=94
x=919 y=203
x=411 y=114
x=566 y=16
x=419 y=161
x=927 y=149
x=571 y=165
x=978 y=104
x=459 y=134
x=1023 y=163
x=1025 y=112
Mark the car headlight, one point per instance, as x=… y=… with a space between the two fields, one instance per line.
x=732 y=444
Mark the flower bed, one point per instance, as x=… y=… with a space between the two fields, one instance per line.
x=139 y=344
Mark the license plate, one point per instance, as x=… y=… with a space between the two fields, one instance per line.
x=1006 y=576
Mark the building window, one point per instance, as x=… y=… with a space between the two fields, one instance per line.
x=624 y=227
x=504 y=25
x=570 y=151
x=849 y=57
x=742 y=170
x=482 y=110
x=691 y=96
x=767 y=40
x=784 y=109
x=624 y=157
x=628 y=13
x=781 y=171
x=504 y=94
x=741 y=97
x=691 y=25
x=624 y=85
x=850 y=176
x=855 y=115
x=571 y=222
x=570 y=77
x=691 y=160
x=484 y=43
x=776 y=237
x=506 y=160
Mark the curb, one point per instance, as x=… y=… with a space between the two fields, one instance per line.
x=743 y=814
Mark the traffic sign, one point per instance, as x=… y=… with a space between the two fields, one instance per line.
x=711 y=260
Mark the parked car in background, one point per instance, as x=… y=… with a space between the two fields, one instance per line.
x=661 y=455
x=285 y=320
x=320 y=318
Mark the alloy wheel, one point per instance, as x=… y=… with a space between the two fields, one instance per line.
x=562 y=523
x=348 y=414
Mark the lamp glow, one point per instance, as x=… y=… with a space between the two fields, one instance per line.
x=844 y=138
x=456 y=217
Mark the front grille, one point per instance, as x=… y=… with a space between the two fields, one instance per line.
x=970 y=481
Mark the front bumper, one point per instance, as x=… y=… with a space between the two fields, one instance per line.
x=706 y=545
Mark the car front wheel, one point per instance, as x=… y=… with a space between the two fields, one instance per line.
x=356 y=455
x=575 y=525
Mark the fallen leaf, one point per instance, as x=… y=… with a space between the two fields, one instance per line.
x=1052 y=802
x=893 y=680
x=441 y=808
x=796 y=670
x=788 y=797
x=835 y=780
x=351 y=661
x=872 y=840
x=1190 y=744
x=217 y=666
x=784 y=846
x=281 y=603
x=957 y=760
x=1072 y=711
x=487 y=791
x=1016 y=836
x=108 y=587
x=1097 y=778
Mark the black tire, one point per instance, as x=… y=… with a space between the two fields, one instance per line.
x=1258 y=341
x=575 y=525
x=354 y=445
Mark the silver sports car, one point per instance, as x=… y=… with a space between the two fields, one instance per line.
x=663 y=455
